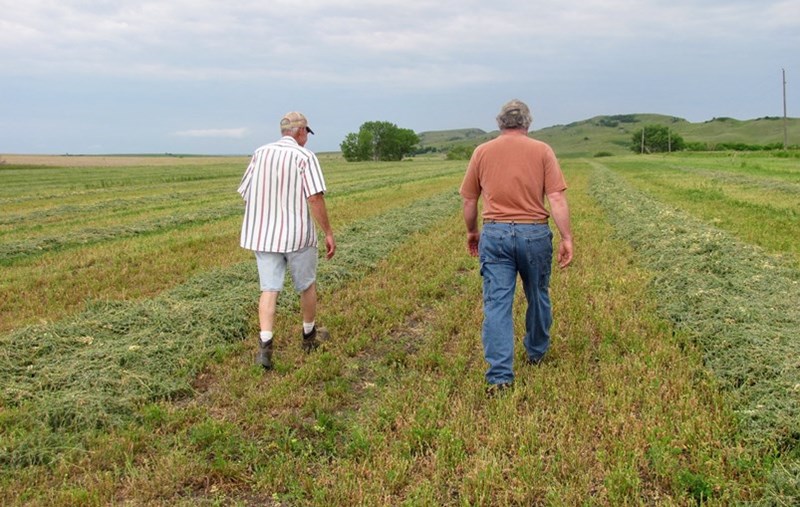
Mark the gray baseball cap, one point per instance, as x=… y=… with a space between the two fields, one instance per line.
x=294 y=120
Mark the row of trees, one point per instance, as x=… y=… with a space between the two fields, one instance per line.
x=661 y=139
x=656 y=139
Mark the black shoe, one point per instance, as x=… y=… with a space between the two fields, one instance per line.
x=535 y=362
x=314 y=339
x=264 y=357
x=497 y=389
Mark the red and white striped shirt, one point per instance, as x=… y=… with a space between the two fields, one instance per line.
x=276 y=185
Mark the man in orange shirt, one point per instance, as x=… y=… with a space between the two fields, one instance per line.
x=513 y=174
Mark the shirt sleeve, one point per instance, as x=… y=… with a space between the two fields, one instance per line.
x=553 y=177
x=314 y=181
x=244 y=185
x=471 y=186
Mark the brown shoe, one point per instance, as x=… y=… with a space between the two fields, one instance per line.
x=264 y=357
x=314 y=339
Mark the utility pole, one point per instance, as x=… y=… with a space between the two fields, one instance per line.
x=642 y=152
x=785 y=135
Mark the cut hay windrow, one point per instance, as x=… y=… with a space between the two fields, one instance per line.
x=30 y=184
x=762 y=211
x=744 y=180
x=738 y=303
x=357 y=181
x=766 y=197
x=12 y=251
x=76 y=226
x=93 y=371
x=43 y=214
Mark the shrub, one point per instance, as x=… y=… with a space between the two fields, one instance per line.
x=608 y=122
x=461 y=152
x=695 y=146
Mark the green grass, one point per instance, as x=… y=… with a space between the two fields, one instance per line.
x=754 y=198
x=155 y=399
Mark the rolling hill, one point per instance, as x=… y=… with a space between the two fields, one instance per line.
x=613 y=134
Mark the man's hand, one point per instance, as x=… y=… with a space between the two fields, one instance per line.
x=471 y=221
x=564 y=253
x=473 y=239
x=330 y=246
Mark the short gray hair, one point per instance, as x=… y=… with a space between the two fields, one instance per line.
x=514 y=114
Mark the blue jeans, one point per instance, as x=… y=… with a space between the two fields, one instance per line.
x=505 y=251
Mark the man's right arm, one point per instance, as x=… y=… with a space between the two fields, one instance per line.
x=471 y=221
x=320 y=213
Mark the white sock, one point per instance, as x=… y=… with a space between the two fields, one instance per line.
x=266 y=336
x=308 y=327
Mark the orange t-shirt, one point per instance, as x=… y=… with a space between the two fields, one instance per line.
x=513 y=173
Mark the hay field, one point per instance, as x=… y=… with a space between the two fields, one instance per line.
x=128 y=324
x=112 y=160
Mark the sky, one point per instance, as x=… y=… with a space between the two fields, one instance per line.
x=215 y=77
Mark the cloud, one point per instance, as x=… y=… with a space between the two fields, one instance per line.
x=358 y=41
x=101 y=66
x=237 y=133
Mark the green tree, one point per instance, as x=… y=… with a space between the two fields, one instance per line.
x=379 y=140
x=656 y=139
x=357 y=146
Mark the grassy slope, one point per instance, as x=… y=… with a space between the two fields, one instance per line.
x=588 y=137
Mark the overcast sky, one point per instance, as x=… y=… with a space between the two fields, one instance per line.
x=214 y=77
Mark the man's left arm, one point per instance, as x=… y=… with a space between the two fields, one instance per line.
x=320 y=213
x=560 y=213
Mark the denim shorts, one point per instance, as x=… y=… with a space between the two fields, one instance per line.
x=272 y=266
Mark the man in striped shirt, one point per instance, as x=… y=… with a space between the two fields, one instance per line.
x=284 y=189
